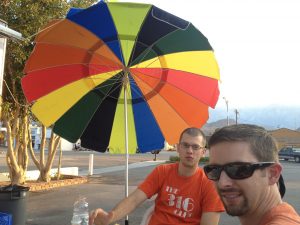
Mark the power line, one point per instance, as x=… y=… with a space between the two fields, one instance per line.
x=13 y=97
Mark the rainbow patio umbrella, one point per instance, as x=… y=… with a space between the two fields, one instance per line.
x=121 y=76
x=86 y=66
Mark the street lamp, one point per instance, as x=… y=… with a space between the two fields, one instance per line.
x=236 y=115
x=226 y=101
x=6 y=32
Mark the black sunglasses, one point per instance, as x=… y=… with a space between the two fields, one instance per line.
x=235 y=170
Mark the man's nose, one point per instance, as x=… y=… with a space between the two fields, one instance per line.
x=225 y=180
x=190 y=149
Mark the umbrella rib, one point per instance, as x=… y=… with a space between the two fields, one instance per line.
x=89 y=77
x=167 y=69
x=147 y=86
x=152 y=13
x=165 y=82
x=137 y=36
x=108 y=72
x=104 y=97
x=114 y=78
x=148 y=48
x=107 y=95
x=146 y=102
x=70 y=64
x=104 y=43
x=42 y=30
x=111 y=90
x=133 y=89
x=90 y=53
x=120 y=47
x=127 y=47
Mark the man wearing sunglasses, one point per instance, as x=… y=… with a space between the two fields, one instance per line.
x=184 y=194
x=245 y=168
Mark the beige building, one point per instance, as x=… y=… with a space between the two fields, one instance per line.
x=286 y=137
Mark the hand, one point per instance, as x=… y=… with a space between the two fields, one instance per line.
x=100 y=217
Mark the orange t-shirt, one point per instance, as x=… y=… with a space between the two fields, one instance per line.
x=282 y=214
x=180 y=199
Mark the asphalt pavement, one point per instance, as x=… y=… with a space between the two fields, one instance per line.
x=107 y=187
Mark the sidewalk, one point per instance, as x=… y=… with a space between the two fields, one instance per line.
x=121 y=168
x=80 y=177
x=103 y=163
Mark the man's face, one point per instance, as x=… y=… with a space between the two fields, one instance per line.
x=240 y=197
x=189 y=156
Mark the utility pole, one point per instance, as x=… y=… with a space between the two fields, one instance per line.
x=236 y=115
x=226 y=101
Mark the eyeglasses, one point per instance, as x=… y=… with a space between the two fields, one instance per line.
x=236 y=170
x=186 y=146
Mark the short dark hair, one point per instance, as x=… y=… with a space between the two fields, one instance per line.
x=193 y=131
x=262 y=144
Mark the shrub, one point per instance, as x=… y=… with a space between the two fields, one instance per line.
x=204 y=159
x=174 y=158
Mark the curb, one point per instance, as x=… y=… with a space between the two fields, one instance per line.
x=43 y=186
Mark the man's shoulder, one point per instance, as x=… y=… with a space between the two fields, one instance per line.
x=166 y=168
x=168 y=165
x=281 y=214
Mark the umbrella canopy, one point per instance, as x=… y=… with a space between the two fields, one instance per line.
x=113 y=59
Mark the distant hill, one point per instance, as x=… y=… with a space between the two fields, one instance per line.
x=270 y=117
x=209 y=128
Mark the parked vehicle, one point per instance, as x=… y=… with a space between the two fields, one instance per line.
x=290 y=153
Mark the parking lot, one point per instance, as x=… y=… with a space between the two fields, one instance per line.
x=105 y=190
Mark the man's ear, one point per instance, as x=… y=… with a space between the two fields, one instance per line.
x=177 y=146
x=274 y=173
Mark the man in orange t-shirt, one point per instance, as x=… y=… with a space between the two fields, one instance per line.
x=184 y=194
x=180 y=199
x=245 y=168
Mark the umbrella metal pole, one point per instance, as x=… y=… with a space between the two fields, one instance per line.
x=126 y=142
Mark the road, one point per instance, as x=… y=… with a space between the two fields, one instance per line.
x=105 y=190
x=55 y=206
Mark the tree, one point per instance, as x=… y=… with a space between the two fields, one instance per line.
x=16 y=123
x=43 y=167
x=27 y=17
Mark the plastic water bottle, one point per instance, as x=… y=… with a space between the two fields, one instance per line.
x=80 y=212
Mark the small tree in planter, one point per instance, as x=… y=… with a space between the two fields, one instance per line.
x=16 y=123
x=43 y=167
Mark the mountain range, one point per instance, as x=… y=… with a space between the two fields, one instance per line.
x=270 y=117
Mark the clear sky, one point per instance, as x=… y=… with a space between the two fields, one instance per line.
x=256 y=43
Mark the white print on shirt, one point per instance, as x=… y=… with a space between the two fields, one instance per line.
x=183 y=206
